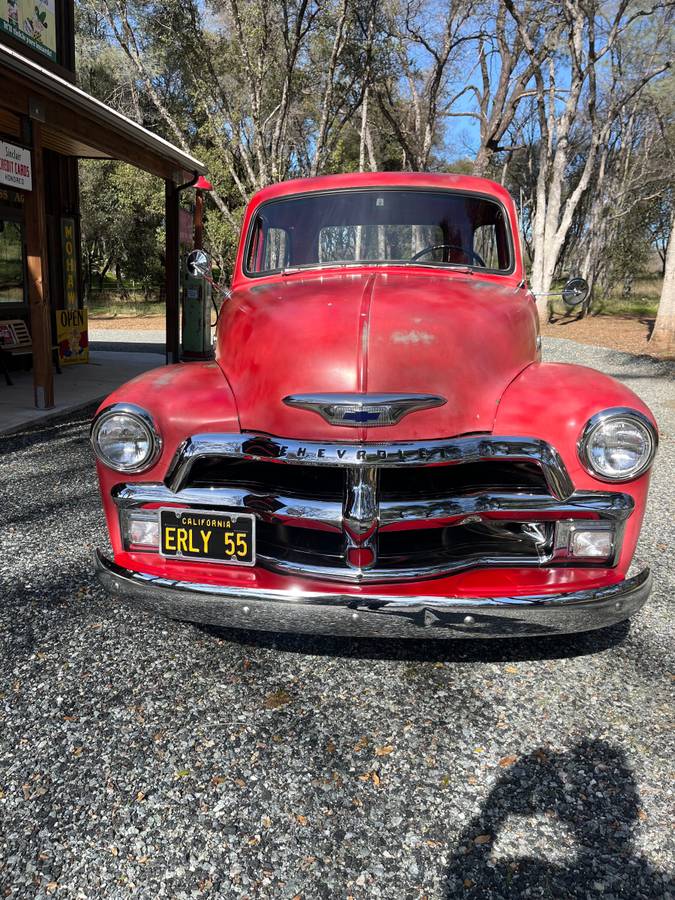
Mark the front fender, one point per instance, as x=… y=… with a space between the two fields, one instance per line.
x=553 y=402
x=182 y=400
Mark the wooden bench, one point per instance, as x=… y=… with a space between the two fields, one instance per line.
x=15 y=340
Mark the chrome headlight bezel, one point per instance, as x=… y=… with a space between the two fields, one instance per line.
x=141 y=417
x=603 y=418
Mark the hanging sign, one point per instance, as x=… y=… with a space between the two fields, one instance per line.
x=31 y=21
x=69 y=263
x=15 y=166
x=72 y=336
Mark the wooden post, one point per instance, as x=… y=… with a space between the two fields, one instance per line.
x=38 y=278
x=172 y=273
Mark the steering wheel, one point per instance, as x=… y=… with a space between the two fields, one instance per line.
x=470 y=254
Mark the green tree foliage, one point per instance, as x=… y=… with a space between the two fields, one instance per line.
x=122 y=223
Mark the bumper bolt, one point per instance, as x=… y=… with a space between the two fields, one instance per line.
x=469 y=620
x=246 y=610
x=355 y=617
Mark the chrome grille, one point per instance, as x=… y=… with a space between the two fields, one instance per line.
x=369 y=512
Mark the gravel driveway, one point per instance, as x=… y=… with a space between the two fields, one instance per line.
x=147 y=758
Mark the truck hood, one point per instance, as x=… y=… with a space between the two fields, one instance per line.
x=464 y=338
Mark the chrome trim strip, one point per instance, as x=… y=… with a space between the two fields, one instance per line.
x=473 y=448
x=365 y=410
x=407 y=573
x=379 y=615
x=616 y=412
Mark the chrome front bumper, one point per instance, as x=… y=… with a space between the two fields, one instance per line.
x=373 y=615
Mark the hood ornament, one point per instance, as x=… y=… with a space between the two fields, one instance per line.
x=364 y=410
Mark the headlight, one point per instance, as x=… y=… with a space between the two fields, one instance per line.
x=618 y=445
x=124 y=437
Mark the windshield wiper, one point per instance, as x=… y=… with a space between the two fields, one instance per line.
x=456 y=267
x=310 y=267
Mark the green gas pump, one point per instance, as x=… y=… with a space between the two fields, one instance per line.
x=197 y=285
x=196 y=330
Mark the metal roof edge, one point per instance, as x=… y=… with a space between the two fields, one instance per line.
x=85 y=102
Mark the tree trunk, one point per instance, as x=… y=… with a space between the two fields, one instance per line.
x=663 y=336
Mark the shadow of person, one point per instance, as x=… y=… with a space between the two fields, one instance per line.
x=583 y=805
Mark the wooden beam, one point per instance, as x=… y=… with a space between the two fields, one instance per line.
x=172 y=272
x=71 y=125
x=38 y=278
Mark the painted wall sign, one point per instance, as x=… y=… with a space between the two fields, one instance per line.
x=72 y=336
x=31 y=21
x=16 y=168
x=70 y=292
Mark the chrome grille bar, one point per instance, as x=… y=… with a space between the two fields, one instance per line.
x=271 y=507
x=604 y=504
x=473 y=448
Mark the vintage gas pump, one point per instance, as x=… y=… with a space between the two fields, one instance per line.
x=196 y=329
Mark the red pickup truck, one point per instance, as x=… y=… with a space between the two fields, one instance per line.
x=377 y=448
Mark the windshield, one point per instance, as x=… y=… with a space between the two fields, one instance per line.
x=438 y=228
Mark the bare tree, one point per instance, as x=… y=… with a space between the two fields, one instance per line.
x=365 y=135
x=567 y=93
x=506 y=73
x=337 y=49
x=423 y=53
x=663 y=335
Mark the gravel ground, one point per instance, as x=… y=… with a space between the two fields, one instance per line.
x=148 y=758
x=132 y=340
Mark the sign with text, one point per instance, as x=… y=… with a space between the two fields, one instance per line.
x=72 y=336
x=15 y=166
x=32 y=22
x=69 y=263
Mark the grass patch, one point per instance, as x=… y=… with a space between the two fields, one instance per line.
x=110 y=305
x=642 y=302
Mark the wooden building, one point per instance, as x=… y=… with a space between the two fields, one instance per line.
x=46 y=124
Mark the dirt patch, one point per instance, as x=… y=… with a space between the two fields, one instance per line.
x=616 y=332
x=130 y=323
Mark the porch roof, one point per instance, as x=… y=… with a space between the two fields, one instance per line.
x=76 y=124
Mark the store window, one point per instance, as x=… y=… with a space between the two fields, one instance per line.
x=12 y=271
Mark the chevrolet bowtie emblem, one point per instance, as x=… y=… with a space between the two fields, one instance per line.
x=373 y=410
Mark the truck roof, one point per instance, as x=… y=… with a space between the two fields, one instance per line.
x=441 y=181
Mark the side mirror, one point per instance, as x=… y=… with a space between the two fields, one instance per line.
x=575 y=292
x=198 y=263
